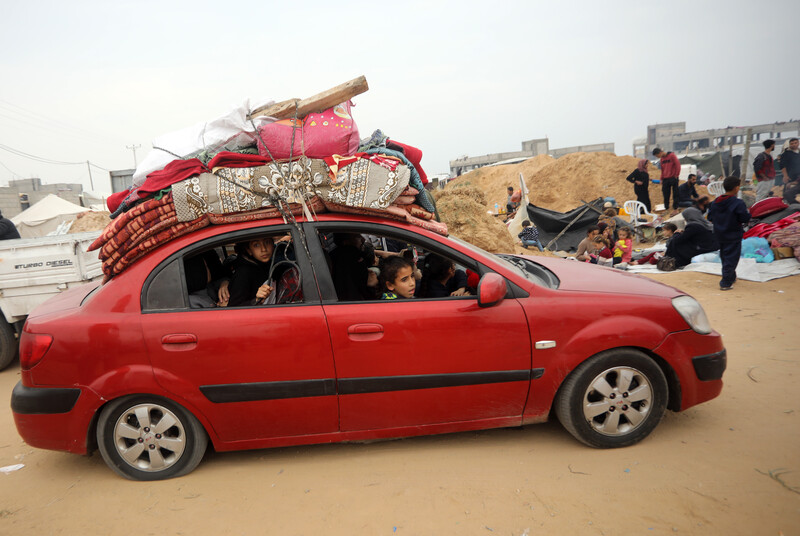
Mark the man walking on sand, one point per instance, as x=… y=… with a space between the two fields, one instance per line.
x=764 y=168
x=670 y=171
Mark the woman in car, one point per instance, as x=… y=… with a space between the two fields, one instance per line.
x=249 y=285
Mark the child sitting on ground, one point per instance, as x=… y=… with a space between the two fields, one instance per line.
x=397 y=278
x=530 y=235
x=623 y=249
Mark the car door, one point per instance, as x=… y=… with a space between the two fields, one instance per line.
x=255 y=371
x=405 y=363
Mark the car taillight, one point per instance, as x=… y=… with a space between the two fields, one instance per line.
x=32 y=347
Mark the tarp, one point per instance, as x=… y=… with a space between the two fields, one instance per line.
x=45 y=216
x=550 y=223
x=748 y=269
x=717 y=163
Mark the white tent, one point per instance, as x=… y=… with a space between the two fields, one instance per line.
x=45 y=216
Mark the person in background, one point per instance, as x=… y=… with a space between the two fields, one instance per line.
x=696 y=238
x=588 y=248
x=702 y=203
x=687 y=194
x=728 y=213
x=530 y=236
x=764 y=168
x=790 y=169
x=512 y=201
x=623 y=248
x=670 y=171
x=8 y=230
x=641 y=182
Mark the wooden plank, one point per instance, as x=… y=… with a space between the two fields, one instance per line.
x=317 y=103
x=565 y=229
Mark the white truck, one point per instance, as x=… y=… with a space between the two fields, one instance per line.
x=35 y=269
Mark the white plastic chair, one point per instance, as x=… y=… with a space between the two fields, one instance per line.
x=636 y=210
x=715 y=188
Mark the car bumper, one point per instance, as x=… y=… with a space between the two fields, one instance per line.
x=698 y=361
x=710 y=367
x=54 y=418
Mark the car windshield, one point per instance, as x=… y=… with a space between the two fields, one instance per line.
x=524 y=267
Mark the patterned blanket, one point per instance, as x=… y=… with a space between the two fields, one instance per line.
x=369 y=184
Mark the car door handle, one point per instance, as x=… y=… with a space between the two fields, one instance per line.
x=179 y=338
x=365 y=332
x=365 y=328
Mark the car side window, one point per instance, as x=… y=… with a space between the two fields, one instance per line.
x=165 y=290
x=366 y=267
x=258 y=270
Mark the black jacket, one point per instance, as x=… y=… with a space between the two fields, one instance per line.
x=639 y=176
x=694 y=240
x=687 y=192
x=728 y=214
x=248 y=275
x=7 y=229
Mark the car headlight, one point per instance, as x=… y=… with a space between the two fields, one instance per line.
x=693 y=313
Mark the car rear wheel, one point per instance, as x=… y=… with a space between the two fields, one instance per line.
x=9 y=346
x=149 y=438
x=614 y=399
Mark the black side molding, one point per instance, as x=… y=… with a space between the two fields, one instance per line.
x=353 y=386
x=43 y=400
x=249 y=392
x=710 y=367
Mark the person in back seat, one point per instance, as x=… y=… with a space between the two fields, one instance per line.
x=206 y=280
x=350 y=269
x=249 y=285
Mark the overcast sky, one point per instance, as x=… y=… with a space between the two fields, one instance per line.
x=83 y=80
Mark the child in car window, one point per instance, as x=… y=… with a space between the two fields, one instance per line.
x=248 y=284
x=440 y=278
x=397 y=277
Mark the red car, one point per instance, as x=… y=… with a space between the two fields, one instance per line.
x=139 y=369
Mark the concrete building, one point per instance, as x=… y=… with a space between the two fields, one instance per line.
x=22 y=193
x=530 y=149
x=121 y=179
x=673 y=137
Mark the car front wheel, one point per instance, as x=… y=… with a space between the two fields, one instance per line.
x=149 y=438
x=614 y=399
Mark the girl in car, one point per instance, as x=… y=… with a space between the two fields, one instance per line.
x=249 y=285
x=397 y=278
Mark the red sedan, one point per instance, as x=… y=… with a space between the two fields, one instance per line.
x=149 y=369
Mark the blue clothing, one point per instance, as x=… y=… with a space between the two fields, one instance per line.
x=728 y=214
x=389 y=296
x=729 y=253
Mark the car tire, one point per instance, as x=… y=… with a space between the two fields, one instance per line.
x=614 y=399
x=150 y=438
x=9 y=346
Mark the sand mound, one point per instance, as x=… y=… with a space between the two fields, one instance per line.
x=463 y=209
x=560 y=184
x=494 y=180
x=90 y=221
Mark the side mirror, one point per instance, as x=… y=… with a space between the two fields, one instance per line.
x=491 y=290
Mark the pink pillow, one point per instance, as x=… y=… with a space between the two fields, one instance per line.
x=767 y=206
x=316 y=135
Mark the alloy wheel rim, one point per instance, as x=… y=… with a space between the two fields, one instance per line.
x=617 y=401
x=149 y=437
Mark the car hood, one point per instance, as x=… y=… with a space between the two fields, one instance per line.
x=586 y=277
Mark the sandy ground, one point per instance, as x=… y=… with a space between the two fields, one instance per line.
x=705 y=471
